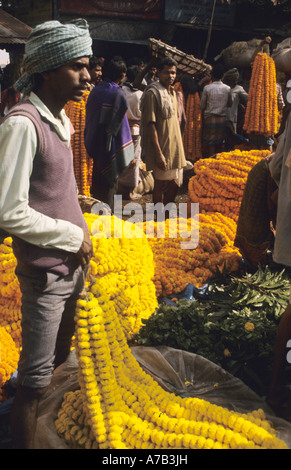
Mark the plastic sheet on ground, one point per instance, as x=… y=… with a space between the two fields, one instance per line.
x=177 y=371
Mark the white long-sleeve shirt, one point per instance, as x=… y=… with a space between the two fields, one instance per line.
x=18 y=147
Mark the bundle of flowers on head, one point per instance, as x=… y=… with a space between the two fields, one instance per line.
x=120 y=406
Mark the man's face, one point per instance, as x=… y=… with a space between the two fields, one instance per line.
x=167 y=75
x=96 y=74
x=70 y=81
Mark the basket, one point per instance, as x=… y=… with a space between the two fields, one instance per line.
x=185 y=63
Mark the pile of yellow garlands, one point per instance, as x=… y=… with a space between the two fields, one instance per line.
x=10 y=315
x=262 y=108
x=9 y=356
x=10 y=295
x=83 y=165
x=123 y=268
x=120 y=406
x=218 y=183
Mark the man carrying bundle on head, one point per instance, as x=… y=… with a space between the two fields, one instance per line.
x=239 y=97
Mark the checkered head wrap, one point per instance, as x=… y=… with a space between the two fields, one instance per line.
x=51 y=45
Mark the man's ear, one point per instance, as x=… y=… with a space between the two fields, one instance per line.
x=45 y=75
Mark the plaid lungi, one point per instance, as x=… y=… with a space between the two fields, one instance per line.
x=214 y=130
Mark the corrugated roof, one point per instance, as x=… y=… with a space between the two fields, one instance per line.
x=12 y=30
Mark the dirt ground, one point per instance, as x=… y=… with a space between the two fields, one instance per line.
x=182 y=196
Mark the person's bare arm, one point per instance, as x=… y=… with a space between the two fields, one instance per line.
x=266 y=40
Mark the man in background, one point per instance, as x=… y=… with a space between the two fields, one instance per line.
x=108 y=138
x=162 y=145
x=239 y=96
x=95 y=70
x=215 y=100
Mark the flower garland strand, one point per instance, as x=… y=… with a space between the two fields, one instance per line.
x=218 y=183
x=83 y=165
x=262 y=108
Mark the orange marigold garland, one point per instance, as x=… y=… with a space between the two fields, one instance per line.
x=218 y=183
x=175 y=266
x=192 y=137
x=83 y=165
x=262 y=109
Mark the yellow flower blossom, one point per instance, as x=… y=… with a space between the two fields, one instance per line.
x=249 y=326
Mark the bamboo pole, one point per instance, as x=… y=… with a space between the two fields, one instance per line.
x=209 y=31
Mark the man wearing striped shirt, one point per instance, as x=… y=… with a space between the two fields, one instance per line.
x=215 y=100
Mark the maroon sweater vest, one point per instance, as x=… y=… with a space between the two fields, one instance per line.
x=52 y=192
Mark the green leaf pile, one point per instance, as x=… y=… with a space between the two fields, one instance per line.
x=235 y=328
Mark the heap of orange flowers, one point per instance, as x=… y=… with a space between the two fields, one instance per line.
x=83 y=165
x=177 y=264
x=262 y=109
x=218 y=183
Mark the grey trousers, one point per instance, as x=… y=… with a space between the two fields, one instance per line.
x=48 y=310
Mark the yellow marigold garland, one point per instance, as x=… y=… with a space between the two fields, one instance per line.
x=9 y=356
x=10 y=295
x=218 y=183
x=83 y=165
x=120 y=406
x=262 y=108
x=123 y=268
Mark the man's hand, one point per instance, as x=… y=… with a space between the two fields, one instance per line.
x=85 y=252
x=161 y=162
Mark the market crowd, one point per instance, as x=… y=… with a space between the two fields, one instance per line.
x=134 y=114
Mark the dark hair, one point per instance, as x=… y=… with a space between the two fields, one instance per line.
x=94 y=61
x=166 y=61
x=217 y=71
x=132 y=72
x=189 y=84
x=114 y=69
x=135 y=61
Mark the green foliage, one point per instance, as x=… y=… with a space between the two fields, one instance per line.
x=235 y=328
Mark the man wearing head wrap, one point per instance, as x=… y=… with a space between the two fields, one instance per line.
x=39 y=208
x=239 y=97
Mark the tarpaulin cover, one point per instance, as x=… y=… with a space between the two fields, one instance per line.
x=177 y=371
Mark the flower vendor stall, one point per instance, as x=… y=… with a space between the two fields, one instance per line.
x=112 y=395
